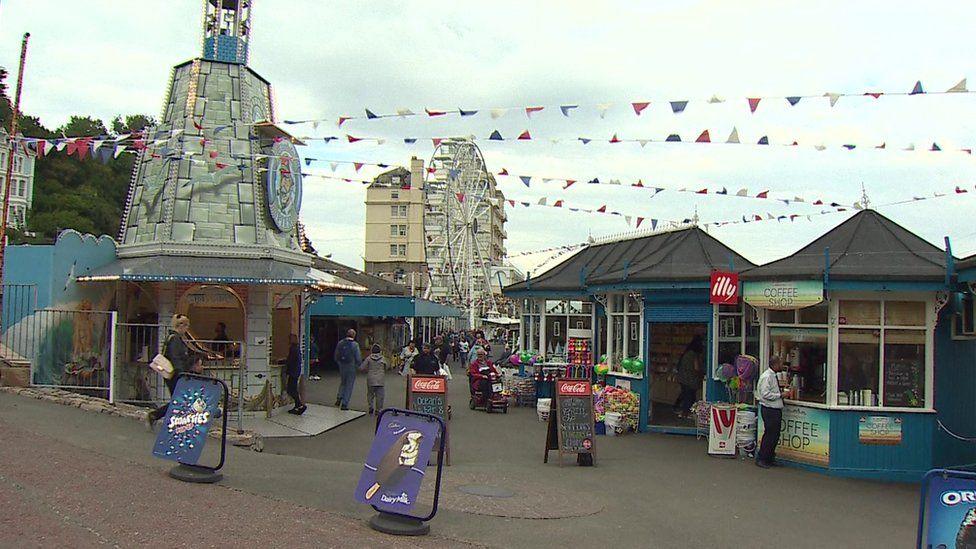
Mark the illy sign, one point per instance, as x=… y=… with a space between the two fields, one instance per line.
x=573 y=387
x=725 y=288
x=427 y=384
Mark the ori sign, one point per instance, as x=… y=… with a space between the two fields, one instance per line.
x=724 y=288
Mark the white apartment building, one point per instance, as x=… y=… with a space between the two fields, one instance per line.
x=21 y=184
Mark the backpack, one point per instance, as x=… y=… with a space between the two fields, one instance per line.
x=345 y=353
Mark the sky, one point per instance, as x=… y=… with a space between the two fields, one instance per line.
x=329 y=59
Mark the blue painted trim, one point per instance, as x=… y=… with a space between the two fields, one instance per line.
x=668 y=430
x=881 y=286
x=890 y=475
x=600 y=288
x=968 y=275
x=555 y=294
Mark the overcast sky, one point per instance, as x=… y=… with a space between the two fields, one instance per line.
x=326 y=59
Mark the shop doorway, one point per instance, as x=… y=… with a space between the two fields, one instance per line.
x=669 y=341
x=327 y=333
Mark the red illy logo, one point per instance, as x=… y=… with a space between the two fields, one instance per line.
x=724 y=288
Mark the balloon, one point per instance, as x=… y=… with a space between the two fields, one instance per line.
x=602 y=368
x=734 y=384
x=746 y=366
x=532 y=361
x=603 y=358
x=525 y=356
x=627 y=364
x=515 y=360
x=638 y=365
x=728 y=372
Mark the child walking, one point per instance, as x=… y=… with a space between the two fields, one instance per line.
x=375 y=367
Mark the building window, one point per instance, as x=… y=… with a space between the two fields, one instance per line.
x=398 y=230
x=531 y=319
x=799 y=337
x=18 y=163
x=398 y=250
x=398 y=210
x=396 y=181
x=881 y=358
x=624 y=328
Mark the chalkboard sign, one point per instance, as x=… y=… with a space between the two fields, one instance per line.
x=428 y=395
x=903 y=384
x=572 y=420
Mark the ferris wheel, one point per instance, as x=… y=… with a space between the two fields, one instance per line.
x=459 y=196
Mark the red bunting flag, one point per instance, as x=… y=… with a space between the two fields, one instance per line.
x=960 y=190
x=524 y=136
x=640 y=183
x=530 y=110
x=352 y=139
x=569 y=182
x=357 y=165
x=558 y=204
x=614 y=139
x=503 y=172
x=602 y=209
x=436 y=141
x=703 y=191
x=818 y=203
x=639 y=107
x=757 y=217
x=881 y=146
x=754 y=103
x=434 y=113
x=874 y=94
x=639 y=221
x=342 y=119
x=704 y=138
x=764 y=194
x=511 y=203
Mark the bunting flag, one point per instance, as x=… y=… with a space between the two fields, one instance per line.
x=639 y=107
x=496 y=136
x=566 y=108
x=525 y=179
x=431 y=113
x=754 y=103
x=498 y=113
x=703 y=138
x=959 y=88
x=734 y=136
x=678 y=106
x=833 y=98
x=793 y=100
x=524 y=136
x=917 y=89
x=464 y=113
x=370 y=115
x=530 y=110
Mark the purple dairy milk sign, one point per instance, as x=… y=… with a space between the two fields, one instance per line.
x=397 y=462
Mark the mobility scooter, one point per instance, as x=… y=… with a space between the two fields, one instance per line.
x=492 y=401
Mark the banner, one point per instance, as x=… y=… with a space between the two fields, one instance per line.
x=804 y=435
x=783 y=295
x=397 y=462
x=721 y=430
x=194 y=405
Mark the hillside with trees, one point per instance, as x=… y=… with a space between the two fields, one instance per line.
x=85 y=195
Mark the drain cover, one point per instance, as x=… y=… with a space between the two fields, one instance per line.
x=486 y=491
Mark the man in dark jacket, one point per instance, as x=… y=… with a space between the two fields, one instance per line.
x=293 y=368
x=348 y=357
x=426 y=362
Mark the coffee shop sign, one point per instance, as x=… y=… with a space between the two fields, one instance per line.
x=783 y=295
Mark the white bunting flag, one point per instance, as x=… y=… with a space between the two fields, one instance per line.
x=498 y=113
x=602 y=108
x=833 y=98
x=734 y=136
x=958 y=88
x=716 y=99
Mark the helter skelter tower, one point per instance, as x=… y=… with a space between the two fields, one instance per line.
x=211 y=216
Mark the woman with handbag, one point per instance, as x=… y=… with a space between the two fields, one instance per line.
x=180 y=357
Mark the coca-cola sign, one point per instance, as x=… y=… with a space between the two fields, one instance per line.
x=573 y=387
x=423 y=384
x=724 y=288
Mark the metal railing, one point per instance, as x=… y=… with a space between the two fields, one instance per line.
x=227 y=361
x=134 y=381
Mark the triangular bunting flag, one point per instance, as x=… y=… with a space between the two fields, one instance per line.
x=525 y=179
x=119 y=149
x=764 y=140
x=673 y=138
x=910 y=147
x=503 y=172
x=639 y=221
x=917 y=89
x=627 y=219
x=602 y=209
x=342 y=119
x=584 y=140
x=874 y=94
x=409 y=140
x=819 y=147
x=639 y=107
x=352 y=139
x=498 y=113
x=594 y=181
x=370 y=115
x=733 y=137
x=434 y=113
x=643 y=142
x=511 y=203
x=960 y=190
x=754 y=103
x=678 y=106
x=496 y=136
x=405 y=112
x=566 y=108
x=333 y=166
x=849 y=146
x=653 y=224
x=794 y=100
x=723 y=191
x=614 y=139
x=935 y=147
x=742 y=192
x=460 y=197
x=524 y=136
x=542 y=201
x=764 y=194
x=704 y=138
x=436 y=141
x=703 y=191
x=357 y=165
x=569 y=182
x=833 y=97
x=602 y=108
x=958 y=88
x=463 y=112
x=530 y=110
x=715 y=99
x=558 y=204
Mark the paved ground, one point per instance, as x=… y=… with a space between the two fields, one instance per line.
x=69 y=477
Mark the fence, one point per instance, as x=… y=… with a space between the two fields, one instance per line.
x=135 y=382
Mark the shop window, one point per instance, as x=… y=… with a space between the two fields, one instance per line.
x=904 y=368
x=814 y=315
x=860 y=313
x=904 y=313
x=781 y=317
x=804 y=352
x=858 y=367
x=625 y=334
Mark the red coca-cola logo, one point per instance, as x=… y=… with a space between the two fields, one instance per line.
x=428 y=385
x=574 y=387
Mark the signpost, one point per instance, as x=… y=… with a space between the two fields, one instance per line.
x=428 y=395
x=571 y=427
x=395 y=469
x=947 y=510
x=195 y=403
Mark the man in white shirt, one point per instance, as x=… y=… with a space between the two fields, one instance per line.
x=771 y=407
